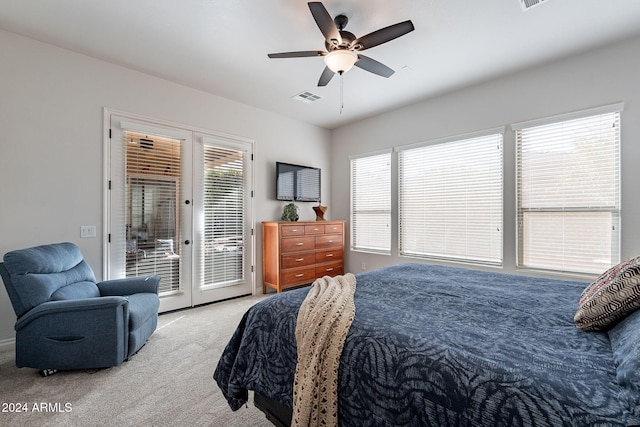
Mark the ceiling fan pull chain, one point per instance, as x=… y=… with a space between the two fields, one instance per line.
x=341 y=93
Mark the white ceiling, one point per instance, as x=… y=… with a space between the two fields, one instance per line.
x=221 y=46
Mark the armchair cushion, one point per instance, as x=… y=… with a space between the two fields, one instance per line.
x=141 y=308
x=143 y=318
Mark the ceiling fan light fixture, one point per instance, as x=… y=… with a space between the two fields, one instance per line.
x=340 y=60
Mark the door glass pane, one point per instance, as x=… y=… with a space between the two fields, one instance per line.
x=151 y=206
x=224 y=216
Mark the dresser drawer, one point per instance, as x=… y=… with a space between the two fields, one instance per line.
x=297 y=244
x=314 y=229
x=298 y=260
x=330 y=269
x=298 y=276
x=329 y=241
x=333 y=228
x=292 y=230
x=329 y=256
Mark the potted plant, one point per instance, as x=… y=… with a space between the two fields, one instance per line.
x=290 y=212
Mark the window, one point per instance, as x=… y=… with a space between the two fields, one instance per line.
x=371 y=202
x=568 y=192
x=450 y=199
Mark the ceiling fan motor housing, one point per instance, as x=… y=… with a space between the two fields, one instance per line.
x=347 y=39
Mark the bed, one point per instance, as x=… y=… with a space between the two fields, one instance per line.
x=442 y=346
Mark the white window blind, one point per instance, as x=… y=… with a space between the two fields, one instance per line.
x=224 y=184
x=152 y=194
x=568 y=193
x=450 y=199
x=371 y=203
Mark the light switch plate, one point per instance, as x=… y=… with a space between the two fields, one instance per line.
x=87 y=231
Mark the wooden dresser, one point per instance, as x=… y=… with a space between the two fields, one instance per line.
x=296 y=253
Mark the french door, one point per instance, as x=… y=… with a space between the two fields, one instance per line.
x=179 y=206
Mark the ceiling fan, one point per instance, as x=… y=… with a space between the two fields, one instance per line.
x=342 y=46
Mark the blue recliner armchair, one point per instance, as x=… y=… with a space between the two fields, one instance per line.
x=65 y=320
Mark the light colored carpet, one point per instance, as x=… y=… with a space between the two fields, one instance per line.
x=168 y=383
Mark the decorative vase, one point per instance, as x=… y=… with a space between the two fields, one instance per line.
x=320 y=211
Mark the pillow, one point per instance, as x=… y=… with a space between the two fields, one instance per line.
x=612 y=296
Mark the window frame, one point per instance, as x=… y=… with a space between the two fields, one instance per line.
x=615 y=210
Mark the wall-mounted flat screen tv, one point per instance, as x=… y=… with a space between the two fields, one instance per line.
x=297 y=183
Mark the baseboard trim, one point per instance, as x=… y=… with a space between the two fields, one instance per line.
x=8 y=344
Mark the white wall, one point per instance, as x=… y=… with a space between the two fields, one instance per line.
x=600 y=77
x=51 y=156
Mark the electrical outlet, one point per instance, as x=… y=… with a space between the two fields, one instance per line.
x=363 y=266
x=87 y=231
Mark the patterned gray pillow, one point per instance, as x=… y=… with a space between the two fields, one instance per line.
x=612 y=296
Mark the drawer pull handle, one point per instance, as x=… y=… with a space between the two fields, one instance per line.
x=299 y=244
x=330 y=241
x=329 y=255
x=316 y=229
x=329 y=269
x=300 y=275
x=299 y=259
x=295 y=230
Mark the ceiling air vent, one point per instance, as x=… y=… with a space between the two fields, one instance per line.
x=306 y=97
x=528 y=4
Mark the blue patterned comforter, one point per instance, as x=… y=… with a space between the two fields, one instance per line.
x=441 y=346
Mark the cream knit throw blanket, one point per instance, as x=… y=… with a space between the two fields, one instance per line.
x=324 y=319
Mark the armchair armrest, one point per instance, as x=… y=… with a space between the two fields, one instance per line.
x=74 y=334
x=83 y=311
x=129 y=286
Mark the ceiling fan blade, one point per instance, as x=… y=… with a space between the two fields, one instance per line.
x=373 y=66
x=326 y=77
x=383 y=35
x=300 y=54
x=325 y=23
